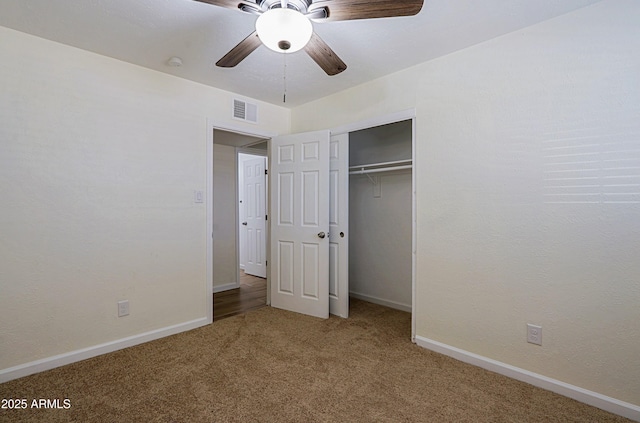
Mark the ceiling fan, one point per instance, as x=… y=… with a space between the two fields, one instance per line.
x=285 y=25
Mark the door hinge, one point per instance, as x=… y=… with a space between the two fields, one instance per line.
x=266 y=262
x=266 y=217
x=266 y=171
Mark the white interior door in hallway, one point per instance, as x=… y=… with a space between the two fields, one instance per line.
x=254 y=206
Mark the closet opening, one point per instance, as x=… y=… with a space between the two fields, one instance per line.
x=380 y=215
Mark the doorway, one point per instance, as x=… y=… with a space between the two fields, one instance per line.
x=231 y=291
x=380 y=190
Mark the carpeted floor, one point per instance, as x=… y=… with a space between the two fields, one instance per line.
x=271 y=365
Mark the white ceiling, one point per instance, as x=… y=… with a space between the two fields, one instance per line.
x=149 y=32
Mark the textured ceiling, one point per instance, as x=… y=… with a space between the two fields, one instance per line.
x=149 y=32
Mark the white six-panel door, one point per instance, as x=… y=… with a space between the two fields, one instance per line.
x=255 y=216
x=339 y=225
x=299 y=186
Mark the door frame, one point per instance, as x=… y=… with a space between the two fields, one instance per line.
x=408 y=114
x=211 y=126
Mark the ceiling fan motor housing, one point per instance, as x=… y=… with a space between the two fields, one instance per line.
x=301 y=6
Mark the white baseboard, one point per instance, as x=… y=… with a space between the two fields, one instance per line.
x=49 y=363
x=595 y=399
x=225 y=287
x=381 y=301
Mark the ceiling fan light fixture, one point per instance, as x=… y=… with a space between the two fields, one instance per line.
x=284 y=30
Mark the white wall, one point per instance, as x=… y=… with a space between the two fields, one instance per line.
x=99 y=160
x=493 y=252
x=225 y=248
x=380 y=239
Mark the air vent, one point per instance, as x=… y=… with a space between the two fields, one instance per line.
x=245 y=111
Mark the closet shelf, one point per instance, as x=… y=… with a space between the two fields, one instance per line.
x=380 y=167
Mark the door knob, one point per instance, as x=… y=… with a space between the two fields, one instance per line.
x=244 y=223
x=321 y=235
x=341 y=234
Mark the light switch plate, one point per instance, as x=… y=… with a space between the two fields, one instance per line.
x=198 y=196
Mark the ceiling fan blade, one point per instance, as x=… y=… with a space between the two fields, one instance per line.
x=343 y=10
x=322 y=54
x=240 y=52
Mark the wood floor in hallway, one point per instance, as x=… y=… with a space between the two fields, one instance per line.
x=251 y=295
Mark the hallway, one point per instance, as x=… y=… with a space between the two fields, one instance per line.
x=251 y=294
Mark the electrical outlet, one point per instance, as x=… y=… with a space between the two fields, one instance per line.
x=123 y=308
x=534 y=334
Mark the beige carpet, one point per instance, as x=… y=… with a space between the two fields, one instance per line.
x=274 y=366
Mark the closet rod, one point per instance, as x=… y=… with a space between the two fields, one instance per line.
x=397 y=162
x=382 y=169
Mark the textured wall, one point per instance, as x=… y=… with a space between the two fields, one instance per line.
x=380 y=239
x=225 y=249
x=528 y=168
x=98 y=163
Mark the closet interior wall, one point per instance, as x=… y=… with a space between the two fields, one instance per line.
x=380 y=215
